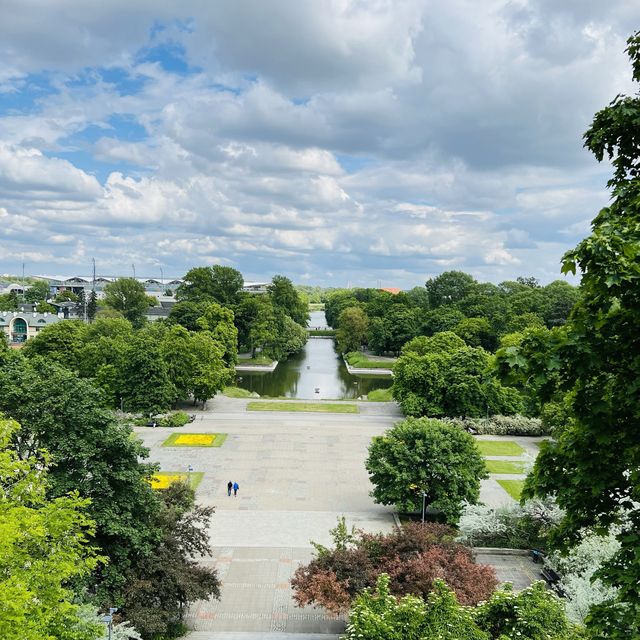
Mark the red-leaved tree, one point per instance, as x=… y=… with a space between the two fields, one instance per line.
x=413 y=557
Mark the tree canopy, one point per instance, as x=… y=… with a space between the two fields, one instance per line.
x=44 y=546
x=421 y=456
x=128 y=296
x=593 y=360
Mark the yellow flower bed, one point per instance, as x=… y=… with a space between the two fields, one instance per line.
x=201 y=440
x=164 y=480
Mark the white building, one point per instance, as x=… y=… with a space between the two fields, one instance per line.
x=20 y=326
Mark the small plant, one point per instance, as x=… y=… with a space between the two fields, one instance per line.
x=178 y=419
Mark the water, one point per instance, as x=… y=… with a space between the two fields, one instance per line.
x=317 y=366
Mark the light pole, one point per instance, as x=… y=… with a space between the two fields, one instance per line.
x=424 y=505
x=108 y=619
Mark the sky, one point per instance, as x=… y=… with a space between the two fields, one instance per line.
x=337 y=142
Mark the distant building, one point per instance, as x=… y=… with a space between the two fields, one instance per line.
x=392 y=290
x=153 y=286
x=12 y=288
x=20 y=326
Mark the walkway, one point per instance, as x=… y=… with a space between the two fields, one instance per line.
x=298 y=472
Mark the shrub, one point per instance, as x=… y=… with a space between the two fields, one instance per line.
x=535 y=613
x=512 y=526
x=576 y=570
x=502 y=425
x=178 y=419
x=413 y=557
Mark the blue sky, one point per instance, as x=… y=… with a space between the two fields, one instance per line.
x=338 y=142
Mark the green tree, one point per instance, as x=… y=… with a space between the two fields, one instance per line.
x=218 y=321
x=37 y=292
x=594 y=356
x=421 y=456
x=186 y=313
x=210 y=372
x=9 y=301
x=146 y=383
x=128 y=296
x=211 y=284
x=92 y=306
x=166 y=581
x=444 y=318
x=286 y=298
x=44 y=545
x=92 y=454
x=67 y=296
x=560 y=298
x=448 y=288
x=477 y=332
x=352 y=329
x=60 y=342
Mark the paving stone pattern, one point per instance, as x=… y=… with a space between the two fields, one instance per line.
x=298 y=472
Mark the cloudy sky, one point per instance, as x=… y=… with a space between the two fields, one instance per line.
x=333 y=141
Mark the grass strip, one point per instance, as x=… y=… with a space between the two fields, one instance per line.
x=380 y=395
x=195 y=440
x=499 y=448
x=512 y=487
x=504 y=466
x=360 y=361
x=303 y=406
x=236 y=392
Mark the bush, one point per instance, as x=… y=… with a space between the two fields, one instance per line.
x=178 y=419
x=512 y=526
x=535 y=613
x=413 y=557
x=502 y=425
x=576 y=570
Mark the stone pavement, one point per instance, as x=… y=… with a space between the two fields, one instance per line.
x=298 y=472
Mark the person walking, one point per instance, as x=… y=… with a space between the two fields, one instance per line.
x=229 y=487
x=236 y=486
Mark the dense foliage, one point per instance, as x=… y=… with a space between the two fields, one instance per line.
x=148 y=369
x=95 y=456
x=128 y=296
x=413 y=557
x=532 y=614
x=442 y=376
x=594 y=361
x=511 y=526
x=44 y=545
x=480 y=313
x=419 y=456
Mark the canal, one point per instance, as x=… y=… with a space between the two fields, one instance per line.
x=316 y=372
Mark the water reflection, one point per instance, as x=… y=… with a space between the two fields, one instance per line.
x=319 y=367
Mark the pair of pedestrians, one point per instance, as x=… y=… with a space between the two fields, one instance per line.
x=232 y=485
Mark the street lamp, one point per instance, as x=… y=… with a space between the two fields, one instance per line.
x=108 y=619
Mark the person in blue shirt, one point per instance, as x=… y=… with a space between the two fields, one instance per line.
x=236 y=486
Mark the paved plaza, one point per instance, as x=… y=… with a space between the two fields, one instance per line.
x=298 y=473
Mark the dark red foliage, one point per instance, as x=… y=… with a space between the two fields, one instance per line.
x=413 y=556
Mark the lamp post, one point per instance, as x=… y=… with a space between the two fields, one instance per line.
x=108 y=619
x=424 y=505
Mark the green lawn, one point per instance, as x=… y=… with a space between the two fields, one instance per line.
x=195 y=440
x=325 y=407
x=258 y=360
x=236 y=392
x=504 y=466
x=499 y=448
x=380 y=395
x=512 y=487
x=360 y=361
x=322 y=332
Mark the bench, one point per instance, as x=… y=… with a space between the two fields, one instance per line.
x=553 y=580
